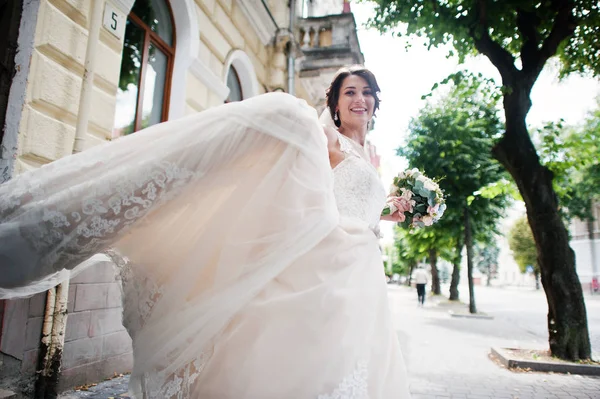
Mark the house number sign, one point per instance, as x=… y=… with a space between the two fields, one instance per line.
x=113 y=21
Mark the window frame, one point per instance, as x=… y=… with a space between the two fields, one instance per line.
x=151 y=37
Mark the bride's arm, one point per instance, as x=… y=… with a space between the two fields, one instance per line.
x=392 y=218
x=333 y=146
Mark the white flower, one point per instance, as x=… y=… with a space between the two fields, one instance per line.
x=406 y=193
x=427 y=220
x=429 y=185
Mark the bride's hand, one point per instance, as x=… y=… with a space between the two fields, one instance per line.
x=402 y=205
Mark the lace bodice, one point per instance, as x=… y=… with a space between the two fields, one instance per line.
x=358 y=189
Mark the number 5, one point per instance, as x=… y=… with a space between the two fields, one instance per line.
x=113 y=25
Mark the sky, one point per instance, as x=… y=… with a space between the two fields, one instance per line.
x=405 y=76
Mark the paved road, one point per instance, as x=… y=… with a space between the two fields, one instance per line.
x=448 y=357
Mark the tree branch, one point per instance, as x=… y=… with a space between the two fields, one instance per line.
x=502 y=59
x=528 y=23
x=563 y=27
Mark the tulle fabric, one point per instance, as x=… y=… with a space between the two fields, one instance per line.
x=233 y=255
x=320 y=329
x=254 y=193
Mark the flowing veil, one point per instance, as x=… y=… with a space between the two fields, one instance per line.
x=202 y=212
x=326 y=120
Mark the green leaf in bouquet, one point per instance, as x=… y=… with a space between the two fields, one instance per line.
x=407 y=223
x=421 y=208
x=431 y=198
x=423 y=192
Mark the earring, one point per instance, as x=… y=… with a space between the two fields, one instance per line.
x=335 y=116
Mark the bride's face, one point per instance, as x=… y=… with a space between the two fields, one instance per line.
x=356 y=101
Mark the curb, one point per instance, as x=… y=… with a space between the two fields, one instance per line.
x=4 y=394
x=534 y=365
x=471 y=316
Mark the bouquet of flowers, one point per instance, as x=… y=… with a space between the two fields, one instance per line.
x=420 y=195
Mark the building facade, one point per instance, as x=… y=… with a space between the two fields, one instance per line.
x=585 y=241
x=78 y=73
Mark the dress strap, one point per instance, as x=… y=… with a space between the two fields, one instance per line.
x=345 y=145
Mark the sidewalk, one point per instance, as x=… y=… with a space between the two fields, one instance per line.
x=448 y=357
x=111 y=389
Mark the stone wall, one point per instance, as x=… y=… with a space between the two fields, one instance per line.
x=20 y=341
x=96 y=343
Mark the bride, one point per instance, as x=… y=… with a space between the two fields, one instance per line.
x=246 y=242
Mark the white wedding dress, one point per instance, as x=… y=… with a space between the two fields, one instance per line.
x=250 y=269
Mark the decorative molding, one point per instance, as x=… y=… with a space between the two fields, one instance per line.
x=123 y=5
x=245 y=70
x=188 y=44
x=210 y=80
x=259 y=18
x=18 y=88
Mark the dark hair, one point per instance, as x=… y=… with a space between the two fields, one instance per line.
x=332 y=94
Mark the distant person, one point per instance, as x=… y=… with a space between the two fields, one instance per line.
x=421 y=282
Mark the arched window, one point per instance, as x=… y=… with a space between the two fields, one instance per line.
x=234 y=85
x=240 y=76
x=146 y=68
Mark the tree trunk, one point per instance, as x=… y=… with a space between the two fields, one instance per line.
x=537 y=279
x=567 y=319
x=469 y=244
x=409 y=279
x=435 y=275
x=454 y=294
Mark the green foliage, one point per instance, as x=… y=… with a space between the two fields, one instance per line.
x=413 y=244
x=487 y=257
x=134 y=44
x=451 y=140
x=518 y=37
x=521 y=27
x=400 y=268
x=572 y=154
x=522 y=244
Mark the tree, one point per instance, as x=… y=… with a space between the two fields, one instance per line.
x=451 y=139
x=571 y=153
x=518 y=37
x=522 y=244
x=487 y=263
x=417 y=244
